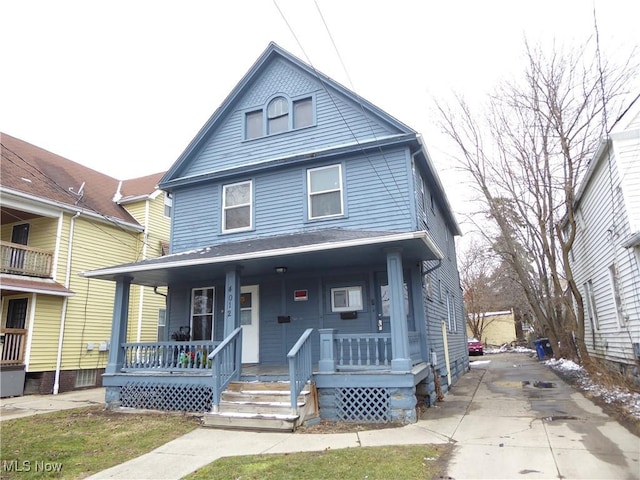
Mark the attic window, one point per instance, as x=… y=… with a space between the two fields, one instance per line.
x=279 y=115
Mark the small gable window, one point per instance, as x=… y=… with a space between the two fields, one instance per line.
x=279 y=115
x=302 y=113
x=253 y=125
x=236 y=206
x=324 y=185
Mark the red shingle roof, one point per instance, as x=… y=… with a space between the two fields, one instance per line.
x=42 y=174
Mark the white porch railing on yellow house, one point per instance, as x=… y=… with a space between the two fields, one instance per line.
x=13 y=343
x=23 y=260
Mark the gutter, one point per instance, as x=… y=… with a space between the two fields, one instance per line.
x=65 y=301
x=73 y=209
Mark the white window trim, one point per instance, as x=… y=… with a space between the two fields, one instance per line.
x=616 y=295
x=311 y=194
x=348 y=291
x=225 y=208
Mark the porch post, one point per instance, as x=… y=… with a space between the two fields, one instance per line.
x=232 y=301
x=327 y=361
x=401 y=361
x=119 y=325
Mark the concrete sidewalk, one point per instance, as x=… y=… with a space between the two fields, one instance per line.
x=16 y=407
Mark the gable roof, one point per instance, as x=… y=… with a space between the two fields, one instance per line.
x=139 y=188
x=32 y=172
x=272 y=52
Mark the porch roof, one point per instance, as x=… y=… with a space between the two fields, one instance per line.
x=306 y=251
x=23 y=284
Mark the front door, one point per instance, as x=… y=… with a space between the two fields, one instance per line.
x=250 y=323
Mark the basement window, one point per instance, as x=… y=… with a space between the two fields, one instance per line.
x=86 y=378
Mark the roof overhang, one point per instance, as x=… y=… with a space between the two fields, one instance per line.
x=302 y=252
x=15 y=284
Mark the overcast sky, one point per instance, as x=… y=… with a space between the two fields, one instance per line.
x=123 y=86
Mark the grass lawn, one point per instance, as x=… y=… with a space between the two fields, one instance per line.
x=371 y=463
x=74 y=444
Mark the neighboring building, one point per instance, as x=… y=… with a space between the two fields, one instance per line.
x=315 y=222
x=60 y=218
x=606 y=255
x=499 y=328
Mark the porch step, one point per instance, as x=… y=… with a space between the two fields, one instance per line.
x=262 y=406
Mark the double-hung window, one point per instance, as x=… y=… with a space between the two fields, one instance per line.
x=202 y=314
x=324 y=187
x=237 y=200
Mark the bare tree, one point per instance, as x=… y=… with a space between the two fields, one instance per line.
x=525 y=159
x=475 y=271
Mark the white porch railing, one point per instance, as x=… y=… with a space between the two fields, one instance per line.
x=12 y=347
x=167 y=356
x=22 y=260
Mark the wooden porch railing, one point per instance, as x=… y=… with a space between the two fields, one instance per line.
x=166 y=356
x=227 y=364
x=13 y=346
x=362 y=351
x=300 y=367
x=23 y=260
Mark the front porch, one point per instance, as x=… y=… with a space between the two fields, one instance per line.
x=362 y=386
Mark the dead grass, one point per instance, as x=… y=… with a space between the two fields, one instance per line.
x=83 y=441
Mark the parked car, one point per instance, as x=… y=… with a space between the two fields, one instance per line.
x=475 y=346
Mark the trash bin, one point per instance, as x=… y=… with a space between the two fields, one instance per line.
x=543 y=348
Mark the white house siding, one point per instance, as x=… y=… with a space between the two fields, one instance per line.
x=608 y=214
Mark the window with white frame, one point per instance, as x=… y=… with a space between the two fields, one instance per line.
x=590 y=305
x=202 y=313
x=168 y=204
x=346 y=299
x=324 y=187
x=615 y=290
x=451 y=312
x=279 y=115
x=162 y=324
x=237 y=199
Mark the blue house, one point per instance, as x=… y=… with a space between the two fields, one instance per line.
x=312 y=251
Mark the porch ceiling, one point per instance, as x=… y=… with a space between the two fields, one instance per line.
x=301 y=252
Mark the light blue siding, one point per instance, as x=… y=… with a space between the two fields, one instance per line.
x=339 y=121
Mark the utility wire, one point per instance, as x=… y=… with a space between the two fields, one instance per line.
x=324 y=86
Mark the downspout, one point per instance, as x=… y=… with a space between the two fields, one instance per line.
x=145 y=238
x=63 y=316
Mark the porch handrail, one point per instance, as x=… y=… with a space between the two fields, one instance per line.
x=300 y=367
x=167 y=356
x=23 y=260
x=227 y=364
x=369 y=350
x=13 y=346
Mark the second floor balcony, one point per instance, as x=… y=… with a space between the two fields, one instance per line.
x=24 y=260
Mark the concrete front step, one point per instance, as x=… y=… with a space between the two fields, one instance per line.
x=247 y=421
x=261 y=406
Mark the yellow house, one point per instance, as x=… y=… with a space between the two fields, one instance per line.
x=499 y=328
x=60 y=218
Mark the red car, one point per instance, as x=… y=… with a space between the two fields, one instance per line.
x=475 y=346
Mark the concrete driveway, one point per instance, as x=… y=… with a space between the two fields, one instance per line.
x=512 y=417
